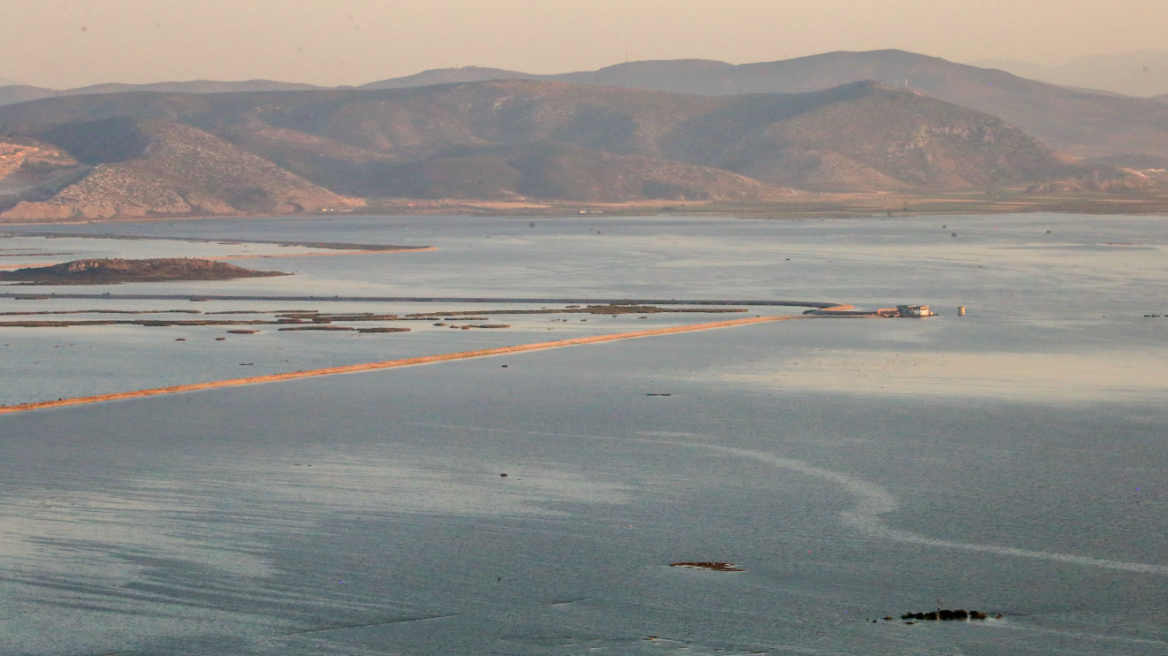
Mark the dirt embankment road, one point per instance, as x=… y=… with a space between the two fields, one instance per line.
x=391 y=364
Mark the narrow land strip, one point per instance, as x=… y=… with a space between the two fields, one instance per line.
x=335 y=252
x=418 y=299
x=391 y=364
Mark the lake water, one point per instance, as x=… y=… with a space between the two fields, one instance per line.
x=1011 y=460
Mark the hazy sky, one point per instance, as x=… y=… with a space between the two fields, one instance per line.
x=68 y=43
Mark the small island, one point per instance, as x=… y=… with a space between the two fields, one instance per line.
x=111 y=271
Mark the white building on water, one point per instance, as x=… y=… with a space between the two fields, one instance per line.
x=914 y=310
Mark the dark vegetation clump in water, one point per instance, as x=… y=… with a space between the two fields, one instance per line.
x=947 y=615
x=383 y=330
x=325 y=327
x=714 y=567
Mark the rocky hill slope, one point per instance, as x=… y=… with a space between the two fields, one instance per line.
x=31 y=169
x=556 y=170
x=145 y=167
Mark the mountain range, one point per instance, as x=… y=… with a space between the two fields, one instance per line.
x=686 y=130
x=1080 y=122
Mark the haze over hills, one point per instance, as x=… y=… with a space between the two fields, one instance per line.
x=520 y=138
x=16 y=93
x=449 y=76
x=1140 y=74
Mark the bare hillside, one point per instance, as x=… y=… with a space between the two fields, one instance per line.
x=147 y=167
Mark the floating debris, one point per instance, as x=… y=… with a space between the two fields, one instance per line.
x=714 y=567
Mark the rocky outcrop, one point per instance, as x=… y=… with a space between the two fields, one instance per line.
x=108 y=271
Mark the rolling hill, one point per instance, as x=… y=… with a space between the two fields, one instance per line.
x=1077 y=121
x=556 y=170
x=857 y=136
x=144 y=167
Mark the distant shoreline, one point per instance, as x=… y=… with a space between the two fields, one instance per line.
x=813 y=205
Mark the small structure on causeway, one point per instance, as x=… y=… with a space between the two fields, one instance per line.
x=910 y=311
x=918 y=311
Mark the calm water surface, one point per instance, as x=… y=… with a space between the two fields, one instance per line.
x=1011 y=460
